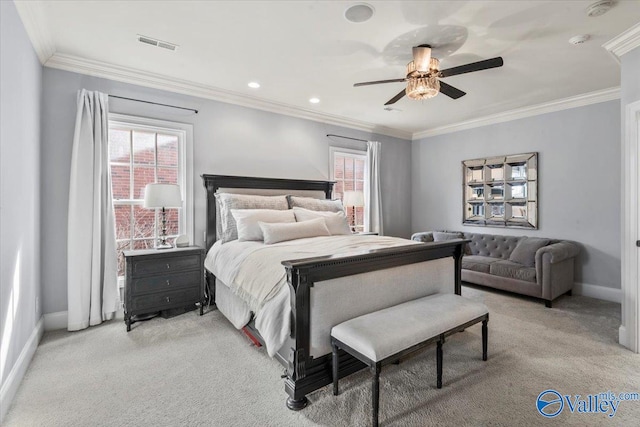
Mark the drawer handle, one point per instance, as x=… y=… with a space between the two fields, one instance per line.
x=167 y=299
x=168 y=266
x=168 y=282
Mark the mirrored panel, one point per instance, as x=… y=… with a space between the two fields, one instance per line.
x=501 y=191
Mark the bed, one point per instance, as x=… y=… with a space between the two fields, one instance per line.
x=363 y=274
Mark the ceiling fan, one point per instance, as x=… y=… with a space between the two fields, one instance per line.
x=424 y=74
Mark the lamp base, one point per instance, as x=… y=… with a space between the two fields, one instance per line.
x=163 y=245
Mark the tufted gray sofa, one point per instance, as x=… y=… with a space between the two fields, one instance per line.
x=489 y=260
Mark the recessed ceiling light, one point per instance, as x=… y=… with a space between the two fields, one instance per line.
x=600 y=7
x=314 y=100
x=254 y=85
x=359 y=12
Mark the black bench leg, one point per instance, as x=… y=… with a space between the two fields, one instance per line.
x=485 y=338
x=548 y=303
x=439 y=361
x=335 y=369
x=376 y=393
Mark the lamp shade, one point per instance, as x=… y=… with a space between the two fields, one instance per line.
x=353 y=198
x=162 y=196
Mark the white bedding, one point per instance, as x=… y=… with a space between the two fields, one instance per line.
x=253 y=272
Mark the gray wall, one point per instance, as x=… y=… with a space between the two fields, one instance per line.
x=20 y=85
x=579 y=181
x=228 y=139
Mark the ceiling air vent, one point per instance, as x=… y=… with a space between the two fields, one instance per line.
x=157 y=43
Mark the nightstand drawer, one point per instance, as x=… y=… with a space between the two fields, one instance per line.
x=168 y=265
x=166 y=282
x=158 y=301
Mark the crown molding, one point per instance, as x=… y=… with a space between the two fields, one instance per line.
x=625 y=42
x=520 y=113
x=158 y=81
x=32 y=14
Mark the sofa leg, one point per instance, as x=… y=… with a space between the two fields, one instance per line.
x=547 y=303
x=569 y=292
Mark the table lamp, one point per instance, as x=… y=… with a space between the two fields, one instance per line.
x=355 y=199
x=162 y=196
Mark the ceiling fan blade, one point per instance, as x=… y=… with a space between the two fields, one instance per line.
x=474 y=66
x=377 y=82
x=450 y=91
x=396 y=98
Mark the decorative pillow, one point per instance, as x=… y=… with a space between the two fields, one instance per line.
x=274 y=233
x=525 y=251
x=230 y=201
x=440 y=236
x=336 y=221
x=247 y=221
x=315 y=204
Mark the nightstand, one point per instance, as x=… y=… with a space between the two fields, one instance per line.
x=162 y=279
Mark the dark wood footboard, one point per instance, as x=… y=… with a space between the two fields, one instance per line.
x=305 y=373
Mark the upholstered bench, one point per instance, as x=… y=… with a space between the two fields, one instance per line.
x=385 y=336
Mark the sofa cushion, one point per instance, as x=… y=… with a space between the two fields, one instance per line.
x=525 y=251
x=440 y=236
x=512 y=270
x=478 y=263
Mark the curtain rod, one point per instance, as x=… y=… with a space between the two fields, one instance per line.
x=154 y=103
x=345 y=137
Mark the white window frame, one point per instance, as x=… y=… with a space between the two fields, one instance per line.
x=347 y=152
x=184 y=132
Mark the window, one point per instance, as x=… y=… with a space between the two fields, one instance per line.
x=347 y=169
x=143 y=151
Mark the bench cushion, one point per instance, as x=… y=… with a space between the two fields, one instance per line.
x=384 y=333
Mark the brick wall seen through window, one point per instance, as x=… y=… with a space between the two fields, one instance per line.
x=139 y=157
x=349 y=174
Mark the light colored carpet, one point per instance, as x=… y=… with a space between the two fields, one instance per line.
x=197 y=371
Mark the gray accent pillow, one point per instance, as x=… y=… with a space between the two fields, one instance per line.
x=440 y=236
x=315 y=204
x=228 y=201
x=525 y=252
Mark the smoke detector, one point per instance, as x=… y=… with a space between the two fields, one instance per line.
x=579 y=39
x=600 y=7
x=158 y=43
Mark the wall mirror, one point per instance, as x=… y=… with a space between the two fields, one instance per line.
x=501 y=191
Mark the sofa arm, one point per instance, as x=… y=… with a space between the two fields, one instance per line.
x=557 y=252
x=424 y=236
x=554 y=268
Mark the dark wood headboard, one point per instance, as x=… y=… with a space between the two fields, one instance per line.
x=213 y=182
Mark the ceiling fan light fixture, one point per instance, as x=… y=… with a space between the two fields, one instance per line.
x=423 y=87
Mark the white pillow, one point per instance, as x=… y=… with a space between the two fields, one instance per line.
x=336 y=221
x=226 y=201
x=274 y=233
x=247 y=221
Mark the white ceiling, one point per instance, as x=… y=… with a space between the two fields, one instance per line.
x=300 y=49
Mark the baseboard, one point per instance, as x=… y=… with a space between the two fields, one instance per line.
x=11 y=384
x=54 y=321
x=598 y=292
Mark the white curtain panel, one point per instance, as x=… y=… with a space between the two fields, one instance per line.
x=372 y=190
x=91 y=252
